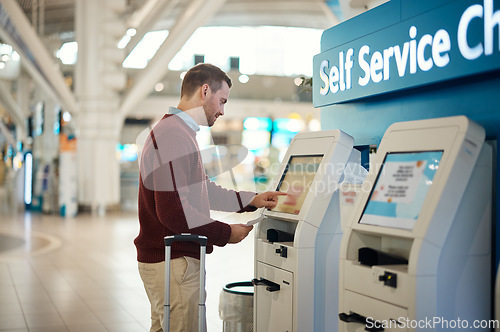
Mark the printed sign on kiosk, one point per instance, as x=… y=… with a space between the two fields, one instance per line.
x=401 y=188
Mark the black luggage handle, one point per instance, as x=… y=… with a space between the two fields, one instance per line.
x=186 y=237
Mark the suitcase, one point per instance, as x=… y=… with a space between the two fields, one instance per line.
x=202 y=240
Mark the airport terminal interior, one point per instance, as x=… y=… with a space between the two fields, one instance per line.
x=83 y=82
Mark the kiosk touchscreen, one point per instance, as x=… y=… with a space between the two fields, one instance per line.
x=286 y=243
x=296 y=181
x=417 y=252
x=401 y=188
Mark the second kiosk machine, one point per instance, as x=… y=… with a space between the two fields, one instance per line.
x=417 y=253
x=291 y=252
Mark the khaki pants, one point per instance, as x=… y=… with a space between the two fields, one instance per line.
x=184 y=293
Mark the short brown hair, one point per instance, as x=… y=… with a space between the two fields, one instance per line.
x=203 y=73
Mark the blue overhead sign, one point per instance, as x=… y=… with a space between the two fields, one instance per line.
x=451 y=40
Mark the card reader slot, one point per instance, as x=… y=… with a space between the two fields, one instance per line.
x=276 y=235
x=372 y=257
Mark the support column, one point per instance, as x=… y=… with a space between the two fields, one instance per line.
x=98 y=80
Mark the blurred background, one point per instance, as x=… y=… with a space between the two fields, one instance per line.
x=80 y=80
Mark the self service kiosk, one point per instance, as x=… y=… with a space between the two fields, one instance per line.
x=417 y=252
x=297 y=238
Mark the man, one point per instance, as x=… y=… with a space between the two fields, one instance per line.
x=176 y=196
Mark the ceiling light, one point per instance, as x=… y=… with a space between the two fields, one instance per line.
x=66 y=117
x=243 y=78
x=159 y=87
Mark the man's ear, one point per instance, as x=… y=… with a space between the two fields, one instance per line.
x=204 y=90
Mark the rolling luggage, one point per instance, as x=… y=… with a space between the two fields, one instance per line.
x=202 y=240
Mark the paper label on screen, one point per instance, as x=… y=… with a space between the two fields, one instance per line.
x=399 y=182
x=401 y=188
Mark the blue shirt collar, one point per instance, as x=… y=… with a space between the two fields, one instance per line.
x=185 y=117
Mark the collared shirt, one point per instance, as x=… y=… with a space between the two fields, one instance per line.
x=185 y=117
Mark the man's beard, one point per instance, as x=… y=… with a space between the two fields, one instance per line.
x=210 y=122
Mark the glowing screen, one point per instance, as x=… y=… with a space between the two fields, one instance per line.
x=296 y=181
x=401 y=188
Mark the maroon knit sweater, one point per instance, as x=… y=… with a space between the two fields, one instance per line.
x=175 y=194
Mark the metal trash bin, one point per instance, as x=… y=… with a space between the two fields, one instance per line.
x=236 y=307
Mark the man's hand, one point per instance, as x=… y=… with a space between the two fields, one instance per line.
x=268 y=199
x=239 y=232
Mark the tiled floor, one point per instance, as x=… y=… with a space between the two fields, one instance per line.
x=81 y=274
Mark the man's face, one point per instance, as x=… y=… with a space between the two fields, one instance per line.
x=215 y=102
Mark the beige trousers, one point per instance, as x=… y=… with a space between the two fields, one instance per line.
x=184 y=293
